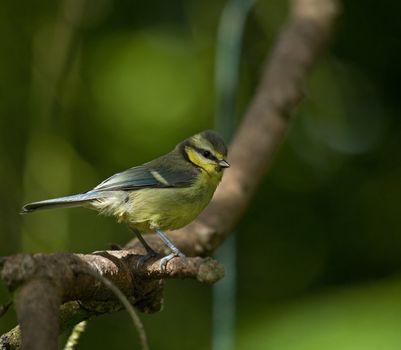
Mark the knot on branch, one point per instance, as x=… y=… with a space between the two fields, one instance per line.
x=210 y=271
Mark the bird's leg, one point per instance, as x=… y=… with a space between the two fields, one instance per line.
x=150 y=253
x=173 y=248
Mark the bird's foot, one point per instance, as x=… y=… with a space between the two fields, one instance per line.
x=167 y=258
x=145 y=258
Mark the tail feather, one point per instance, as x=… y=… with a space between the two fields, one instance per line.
x=75 y=200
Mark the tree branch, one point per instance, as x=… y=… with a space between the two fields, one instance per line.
x=37 y=304
x=68 y=277
x=61 y=277
x=71 y=274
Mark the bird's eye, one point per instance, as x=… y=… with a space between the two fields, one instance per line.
x=206 y=153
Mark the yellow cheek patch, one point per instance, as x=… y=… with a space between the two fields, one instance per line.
x=195 y=158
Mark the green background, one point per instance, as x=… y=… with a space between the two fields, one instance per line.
x=89 y=90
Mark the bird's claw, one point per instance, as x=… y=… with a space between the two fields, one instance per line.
x=167 y=258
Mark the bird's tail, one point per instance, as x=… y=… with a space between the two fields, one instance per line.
x=75 y=200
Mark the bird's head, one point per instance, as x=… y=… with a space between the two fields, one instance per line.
x=206 y=150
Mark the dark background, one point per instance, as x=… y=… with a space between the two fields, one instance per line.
x=89 y=90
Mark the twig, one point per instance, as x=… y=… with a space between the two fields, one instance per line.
x=71 y=313
x=128 y=306
x=75 y=334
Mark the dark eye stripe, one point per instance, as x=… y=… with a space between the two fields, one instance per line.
x=206 y=153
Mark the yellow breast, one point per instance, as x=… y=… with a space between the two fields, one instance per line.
x=169 y=208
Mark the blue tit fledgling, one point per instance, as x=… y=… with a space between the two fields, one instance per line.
x=166 y=193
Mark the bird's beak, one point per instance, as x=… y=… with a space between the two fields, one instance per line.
x=223 y=163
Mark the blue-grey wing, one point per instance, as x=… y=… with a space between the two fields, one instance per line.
x=149 y=175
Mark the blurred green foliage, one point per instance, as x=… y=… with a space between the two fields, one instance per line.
x=89 y=88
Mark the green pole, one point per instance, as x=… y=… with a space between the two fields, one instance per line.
x=228 y=54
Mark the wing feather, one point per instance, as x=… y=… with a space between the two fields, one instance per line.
x=154 y=174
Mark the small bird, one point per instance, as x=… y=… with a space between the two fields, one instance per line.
x=166 y=193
